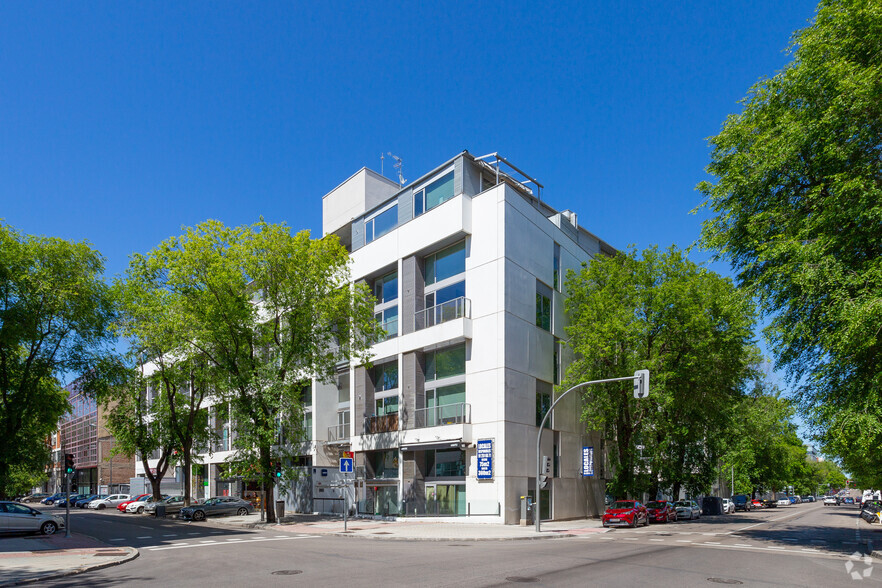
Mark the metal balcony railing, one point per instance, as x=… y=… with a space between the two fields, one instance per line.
x=386 y=423
x=338 y=433
x=446 y=414
x=441 y=313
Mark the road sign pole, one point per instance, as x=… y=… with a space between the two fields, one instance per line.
x=67 y=507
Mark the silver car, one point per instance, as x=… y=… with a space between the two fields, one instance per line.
x=112 y=500
x=173 y=504
x=16 y=518
x=687 y=509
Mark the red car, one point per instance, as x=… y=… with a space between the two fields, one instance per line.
x=661 y=511
x=122 y=505
x=625 y=513
x=757 y=503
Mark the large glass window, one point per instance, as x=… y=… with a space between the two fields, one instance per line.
x=388 y=319
x=543 y=402
x=445 y=294
x=445 y=405
x=388 y=405
x=445 y=363
x=386 y=376
x=445 y=263
x=381 y=223
x=439 y=191
x=557 y=275
x=386 y=288
x=543 y=306
x=445 y=463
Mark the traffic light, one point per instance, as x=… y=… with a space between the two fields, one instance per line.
x=69 y=465
x=278 y=469
x=641 y=383
x=74 y=486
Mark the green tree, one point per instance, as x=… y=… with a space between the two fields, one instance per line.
x=55 y=311
x=262 y=311
x=797 y=210
x=691 y=328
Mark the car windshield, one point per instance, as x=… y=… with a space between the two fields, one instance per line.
x=681 y=503
x=621 y=504
x=655 y=504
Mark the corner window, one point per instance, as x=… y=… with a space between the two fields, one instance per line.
x=436 y=193
x=543 y=306
x=380 y=223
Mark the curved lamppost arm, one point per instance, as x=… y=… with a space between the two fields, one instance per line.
x=636 y=376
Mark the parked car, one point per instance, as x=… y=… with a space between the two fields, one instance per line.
x=62 y=502
x=771 y=502
x=219 y=505
x=16 y=518
x=728 y=506
x=121 y=507
x=831 y=501
x=757 y=503
x=49 y=500
x=173 y=505
x=82 y=502
x=687 y=509
x=848 y=500
x=661 y=511
x=794 y=499
x=808 y=498
x=35 y=497
x=742 y=502
x=625 y=513
x=783 y=502
x=138 y=506
x=112 y=500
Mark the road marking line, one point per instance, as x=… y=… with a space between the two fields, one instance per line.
x=118 y=539
x=790 y=539
x=662 y=540
x=683 y=541
x=281 y=535
x=215 y=543
x=209 y=541
x=809 y=549
x=711 y=542
x=192 y=533
x=171 y=535
x=774 y=547
x=743 y=545
x=629 y=538
x=145 y=537
x=143 y=527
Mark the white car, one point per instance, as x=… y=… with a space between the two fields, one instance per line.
x=112 y=500
x=831 y=500
x=687 y=509
x=728 y=506
x=783 y=502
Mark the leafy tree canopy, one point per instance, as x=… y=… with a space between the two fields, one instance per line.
x=797 y=209
x=55 y=312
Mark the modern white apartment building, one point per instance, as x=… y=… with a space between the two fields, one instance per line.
x=467 y=264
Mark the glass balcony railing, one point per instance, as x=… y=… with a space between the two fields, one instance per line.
x=441 y=313
x=446 y=414
x=338 y=432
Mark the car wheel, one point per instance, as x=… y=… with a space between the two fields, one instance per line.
x=140 y=510
x=198 y=515
x=646 y=522
x=48 y=528
x=102 y=506
x=242 y=511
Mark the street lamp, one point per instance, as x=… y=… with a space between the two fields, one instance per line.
x=101 y=455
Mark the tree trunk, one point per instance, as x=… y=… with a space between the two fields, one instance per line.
x=188 y=460
x=266 y=471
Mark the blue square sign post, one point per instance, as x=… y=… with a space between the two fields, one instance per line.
x=345 y=465
x=587 y=461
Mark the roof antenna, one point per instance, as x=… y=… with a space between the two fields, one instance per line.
x=381 y=164
x=398 y=166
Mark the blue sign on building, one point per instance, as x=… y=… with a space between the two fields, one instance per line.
x=485 y=459
x=587 y=461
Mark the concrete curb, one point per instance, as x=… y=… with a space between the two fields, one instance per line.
x=133 y=554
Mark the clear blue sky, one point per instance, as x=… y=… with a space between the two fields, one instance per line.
x=121 y=122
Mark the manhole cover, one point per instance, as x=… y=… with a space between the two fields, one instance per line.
x=287 y=572
x=724 y=581
x=522 y=579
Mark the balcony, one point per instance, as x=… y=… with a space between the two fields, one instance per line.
x=446 y=414
x=387 y=423
x=338 y=433
x=441 y=313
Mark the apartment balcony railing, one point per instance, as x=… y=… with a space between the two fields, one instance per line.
x=386 y=423
x=391 y=328
x=338 y=433
x=446 y=414
x=441 y=313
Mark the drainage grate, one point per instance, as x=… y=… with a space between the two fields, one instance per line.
x=724 y=581
x=521 y=579
x=287 y=572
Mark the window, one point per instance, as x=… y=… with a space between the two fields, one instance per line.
x=445 y=463
x=386 y=288
x=381 y=223
x=439 y=191
x=543 y=306
x=306 y=396
x=388 y=405
x=445 y=263
x=343 y=388
x=445 y=405
x=543 y=402
x=388 y=320
x=445 y=363
x=386 y=377
x=556 y=366
x=557 y=285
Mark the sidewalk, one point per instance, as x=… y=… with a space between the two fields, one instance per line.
x=425 y=529
x=31 y=559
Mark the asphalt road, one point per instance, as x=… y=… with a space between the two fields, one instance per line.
x=801 y=545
